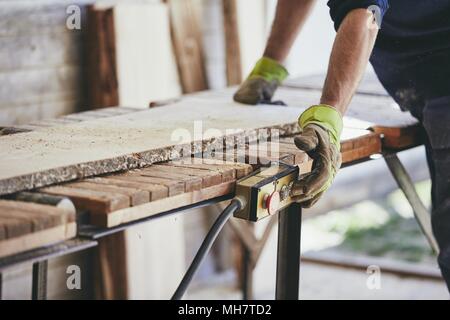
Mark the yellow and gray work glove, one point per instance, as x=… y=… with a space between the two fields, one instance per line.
x=321 y=127
x=260 y=85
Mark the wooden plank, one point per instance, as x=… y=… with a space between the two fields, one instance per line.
x=174 y=187
x=30 y=213
x=111 y=267
x=37 y=239
x=400 y=138
x=145 y=72
x=59 y=215
x=190 y=182
x=232 y=44
x=21 y=169
x=96 y=202
x=245 y=36
x=15 y=227
x=241 y=169
x=206 y=178
x=136 y=196
x=130 y=70
x=134 y=213
x=185 y=17
x=156 y=191
x=252 y=156
x=62 y=203
x=2 y=231
x=289 y=147
x=101 y=59
x=361 y=153
x=38 y=221
x=227 y=172
x=112 y=152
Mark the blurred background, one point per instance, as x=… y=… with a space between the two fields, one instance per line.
x=55 y=60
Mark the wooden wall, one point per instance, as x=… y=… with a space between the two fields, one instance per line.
x=41 y=61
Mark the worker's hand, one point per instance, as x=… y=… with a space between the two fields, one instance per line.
x=321 y=128
x=260 y=85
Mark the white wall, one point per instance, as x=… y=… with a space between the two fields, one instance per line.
x=311 y=50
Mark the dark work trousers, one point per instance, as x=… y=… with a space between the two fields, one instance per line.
x=421 y=84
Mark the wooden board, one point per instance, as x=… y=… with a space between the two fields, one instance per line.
x=127 y=68
x=63 y=153
x=25 y=226
x=365 y=111
x=122 y=142
x=245 y=29
x=138 y=27
x=131 y=214
x=232 y=43
x=102 y=79
x=185 y=20
x=102 y=196
x=378 y=113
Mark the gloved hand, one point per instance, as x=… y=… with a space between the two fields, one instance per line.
x=262 y=82
x=321 y=127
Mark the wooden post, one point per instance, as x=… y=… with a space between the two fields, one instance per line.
x=185 y=17
x=233 y=51
x=111 y=268
x=102 y=77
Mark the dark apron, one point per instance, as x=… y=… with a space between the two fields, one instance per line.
x=421 y=85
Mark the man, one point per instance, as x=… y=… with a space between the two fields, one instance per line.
x=411 y=56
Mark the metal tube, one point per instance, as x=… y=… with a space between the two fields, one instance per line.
x=405 y=183
x=247 y=274
x=288 y=258
x=39 y=287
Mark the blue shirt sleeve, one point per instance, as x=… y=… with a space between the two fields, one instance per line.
x=340 y=8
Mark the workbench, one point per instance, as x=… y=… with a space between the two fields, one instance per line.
x=111 y=202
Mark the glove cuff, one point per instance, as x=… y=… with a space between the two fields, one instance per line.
x=325 y=116
x=269 y=69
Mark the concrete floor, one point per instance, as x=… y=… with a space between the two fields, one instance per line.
x=320 y=282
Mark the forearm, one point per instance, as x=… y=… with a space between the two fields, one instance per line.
x=351 y=52
x=289 y=18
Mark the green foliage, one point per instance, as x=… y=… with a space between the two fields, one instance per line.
x=384 y=227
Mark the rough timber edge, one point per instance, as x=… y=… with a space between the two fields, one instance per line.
x=137 y=160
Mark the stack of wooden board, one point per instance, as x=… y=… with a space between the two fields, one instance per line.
x=120 y=198
x=27 y=225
